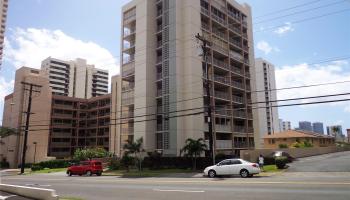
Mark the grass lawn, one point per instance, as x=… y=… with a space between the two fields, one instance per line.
x=145 y=172
x=271 y=168
x=44 y=171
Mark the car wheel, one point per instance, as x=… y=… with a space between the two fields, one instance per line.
x=211 y=173
x=99 y=173
x=244 y=173
x=88 y=173
x=69 y=173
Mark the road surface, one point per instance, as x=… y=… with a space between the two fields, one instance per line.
x=291 y=185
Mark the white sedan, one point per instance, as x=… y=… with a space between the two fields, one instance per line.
x=233 y=167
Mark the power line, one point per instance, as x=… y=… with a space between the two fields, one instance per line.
x=286 y=9
x=303 y=20
x=299 y=12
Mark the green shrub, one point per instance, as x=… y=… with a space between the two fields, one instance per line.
x=4 y=165
x=281 y=162
x=268 y=160
x=90 y=153
x=127 y=161
x=307 y=144
x=36 y=167
x=283 y=146
x=114 y=164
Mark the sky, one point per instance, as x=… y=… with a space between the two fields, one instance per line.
x=294 y=40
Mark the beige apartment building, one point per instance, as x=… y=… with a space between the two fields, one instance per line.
x=160 y=92
x=266 y=118
x=58 y=124
x=15 y=105
x=3 y=15
x=75 y=78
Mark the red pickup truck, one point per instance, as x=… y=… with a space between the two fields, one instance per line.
x=86 y=167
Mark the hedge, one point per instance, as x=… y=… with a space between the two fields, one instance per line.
x=52 y=164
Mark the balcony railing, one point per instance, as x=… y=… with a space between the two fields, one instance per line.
x=219 y=33
x=235 y=29
x=240 y=145
x=205 y=11
x=220 y=49
x=205 y=26
x=221 y=144
x=239 y=129
x=222 y=79
x=237 y=99
x=235 y=42
x=159 y=127
x=218 y=19
x=234 y=15
x=159 y=28
x=159 y=93
x=130 y=86
x=236 y=56
x=222 y=95
x=128 y=72
x=159 y=44
x=223 y=111
x=237 y=70
x=159 y=76
x=218 y=4
x=220 y=63
x=237 y=84
x=159 y=59
x=239 y=114
x=246 y=61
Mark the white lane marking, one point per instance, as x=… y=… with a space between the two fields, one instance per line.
x=5 y=197
x=191 y=191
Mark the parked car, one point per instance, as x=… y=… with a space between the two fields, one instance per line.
x=276 y=154
x=233 y=167
x=86 y=167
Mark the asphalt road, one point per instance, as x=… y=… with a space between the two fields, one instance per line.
x=335 y=162
x=288 y=186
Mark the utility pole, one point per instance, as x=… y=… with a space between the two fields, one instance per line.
x=29 y=107
x=205 y=44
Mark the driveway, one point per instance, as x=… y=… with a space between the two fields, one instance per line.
x=335 y=162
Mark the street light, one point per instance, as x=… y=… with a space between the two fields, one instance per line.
x=35 y=143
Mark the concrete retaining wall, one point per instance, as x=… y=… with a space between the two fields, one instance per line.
x=252 y=155
x=30 y=192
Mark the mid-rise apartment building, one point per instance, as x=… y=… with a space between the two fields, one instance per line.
x=161 y=86
x=58 y=124
x=317 y=127
x=3 y=16
x=286 y=125
x=75 y=78
x=266 y=116
x=305 y=126
x=78 y=123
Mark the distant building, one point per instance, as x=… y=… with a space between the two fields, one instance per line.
x=318 y=127
x=286 y=125
x=305 y=125
x=75 y=78
x=3 y=15
x=348 y=134
x=339 y=135
x=290 y=137
x=267 y=119
x=280 y=121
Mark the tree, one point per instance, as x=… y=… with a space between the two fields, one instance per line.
x=336 y=131
x=193 y=148
x=90 y=153
x=5 y=131
x=135 y=148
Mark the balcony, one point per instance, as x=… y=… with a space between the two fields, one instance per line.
x=130 y=19
x=234 y=29
x=159 y=93
x=159 y=44
x=129 y=32
x=239 y=114
x=205 y=26
x=237 y=70
x=234 y=15
x=159 y=59
x=129 y=59
x=236 y=43
x=246 y=61
x=219 y=34
x=159 y=28
x=218 y=19
x=220 y=5
x=223 y=111
x=159 y=76
x=159 y=127
x=237 y=85
x=205 y=11
x=239 y=129
x=236 y=56
x=128 y=72
x=220 y=49
x=222 y=79
x=222 y=95
x=127 y=87
x=237 y=99
x=240 y=145
x=222 y=128
x=220 y=63
x=221 y=144
x=245 y=48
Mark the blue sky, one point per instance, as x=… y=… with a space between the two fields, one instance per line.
x=91 y=29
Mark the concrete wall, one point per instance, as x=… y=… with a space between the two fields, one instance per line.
x=252 y=155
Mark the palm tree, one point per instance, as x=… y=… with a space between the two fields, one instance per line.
x=135 y=148
x=193 y=148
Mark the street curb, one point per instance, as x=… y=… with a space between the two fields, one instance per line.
x=30 y=192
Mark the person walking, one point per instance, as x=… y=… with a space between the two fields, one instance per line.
x=261 y=162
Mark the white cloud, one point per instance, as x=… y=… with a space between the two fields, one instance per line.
x=284 y=29
x=28 y=47
x=266 y=47
x=304 y=74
